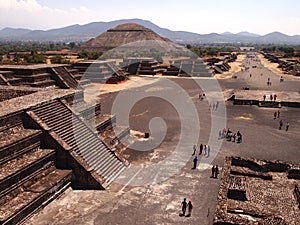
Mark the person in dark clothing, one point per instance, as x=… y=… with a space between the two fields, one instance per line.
x=280 y=124
x=194 y=148
x=213 y=171
x=216 y=171
x=201 y=149
x=195 y=162
x=287 y=126
x=183 y=206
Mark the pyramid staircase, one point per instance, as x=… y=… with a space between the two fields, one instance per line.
x=81 y=142
x=64 y=77
x=28 y=176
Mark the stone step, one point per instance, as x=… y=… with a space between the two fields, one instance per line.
x=10 y=120
x=103 y=121
x=32 y=195
x=20 y=146
x=44 y=83
x=34 y=77
x=21 y=167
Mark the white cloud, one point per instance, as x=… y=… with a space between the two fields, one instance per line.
x=31 y=14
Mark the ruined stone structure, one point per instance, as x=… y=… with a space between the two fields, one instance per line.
x=220 y=64
x=42 y=75
x=100 y=71
x=288 y=66
x=258 y=192
x=48 y=142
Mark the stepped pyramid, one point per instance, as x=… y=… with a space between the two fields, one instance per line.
x=120 y=35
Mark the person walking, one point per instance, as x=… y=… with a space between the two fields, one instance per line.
x=195 y=160
x=264 y=97
x=208 y=150
x=194 y=148
x=275 y=115
x=216 y=171
x=278 y=114
x=190 y=209
x=183 y=206
x=205 y=149
x=213 y=171
x=287 y=125
x=217 y=105
x=201 y=149
x=275 y=97
x=280 y=124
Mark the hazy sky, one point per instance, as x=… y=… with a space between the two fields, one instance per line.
x=200 y=16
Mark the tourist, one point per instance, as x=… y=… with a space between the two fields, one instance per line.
x=220 y=134
x=287 y=125
x=201 y=149
x=205 y=149
x=194 y=148
x=280 y=124
x=213 y=171
x=216 y=171
x=190 y=208
x=183 y=206
x=271 y=97
x=208 y=150
x=224 y=132
x=217 y=105
x=233 y=137
x=264 y=97
x=239 y=137
x=275 y=97
x=275 y=115
x=195 y=162
x=278 y=114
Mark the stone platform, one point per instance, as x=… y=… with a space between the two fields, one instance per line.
x=255 y=97
x=258 y=192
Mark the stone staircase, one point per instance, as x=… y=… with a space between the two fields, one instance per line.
x=65 y=77
x=28 y=176
x=82 y=143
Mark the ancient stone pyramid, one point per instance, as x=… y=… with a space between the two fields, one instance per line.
x=120 y=35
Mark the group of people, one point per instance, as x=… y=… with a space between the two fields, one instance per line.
x=214 y=106
x=201 y=96
x=230 y=136
x=272 y=97
x=203 y=149
x=269 y=83
x=287 y=125
x=214 y=171
x=186 y=206
x=276 y=116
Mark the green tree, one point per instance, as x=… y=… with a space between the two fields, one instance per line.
x=58 y=59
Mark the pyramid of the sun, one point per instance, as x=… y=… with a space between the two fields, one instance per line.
x=120 y=35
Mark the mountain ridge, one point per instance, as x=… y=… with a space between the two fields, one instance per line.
x=82 y=33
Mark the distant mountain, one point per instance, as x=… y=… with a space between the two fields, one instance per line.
x=82 y=33
x=247 y=34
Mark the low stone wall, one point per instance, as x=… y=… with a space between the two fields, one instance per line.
x=6 y=94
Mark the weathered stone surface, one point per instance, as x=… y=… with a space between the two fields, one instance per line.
x=247 y=197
